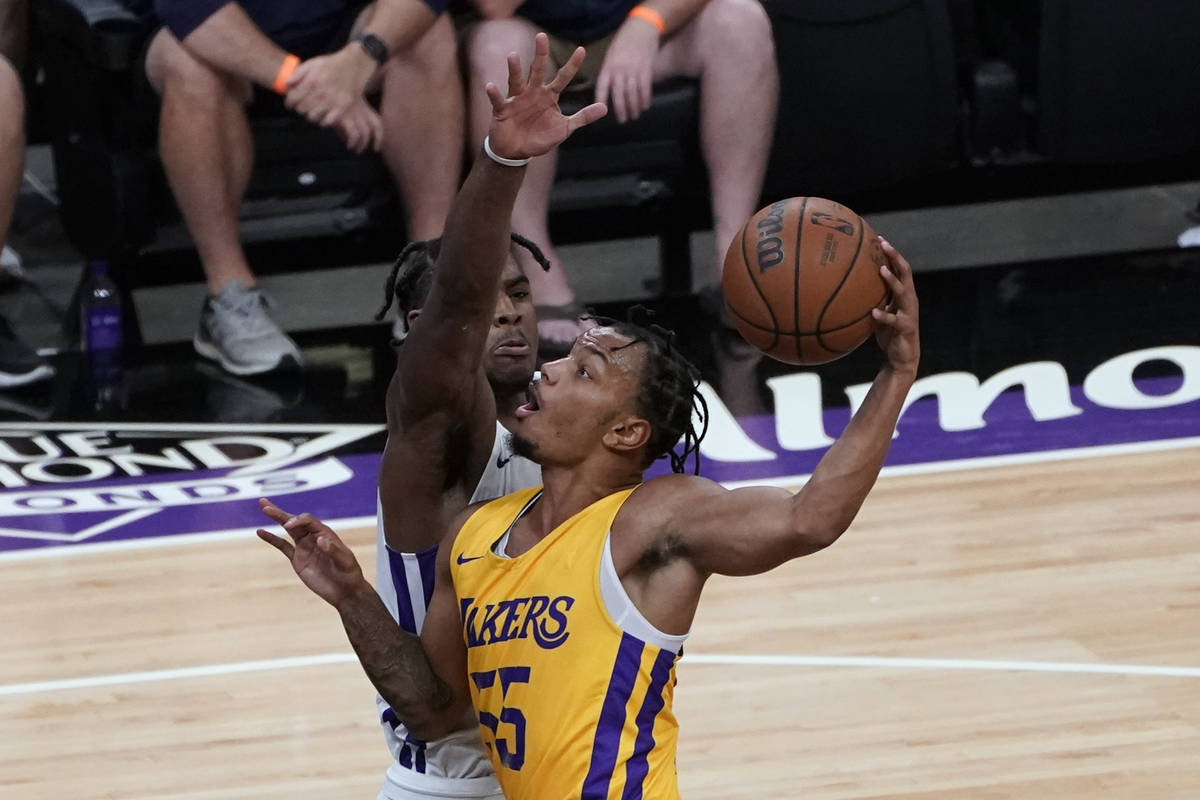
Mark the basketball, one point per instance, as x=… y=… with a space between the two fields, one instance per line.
x=800 y=280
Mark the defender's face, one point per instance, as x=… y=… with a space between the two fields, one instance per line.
x=579 y=397
x=511 y=349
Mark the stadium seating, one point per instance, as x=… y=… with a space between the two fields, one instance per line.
x=961 y=95
x=1118 y=82
x=115 y=203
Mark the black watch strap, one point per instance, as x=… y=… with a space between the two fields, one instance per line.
x=374 y=46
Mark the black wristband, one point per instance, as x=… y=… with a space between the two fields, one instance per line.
x=373 y=46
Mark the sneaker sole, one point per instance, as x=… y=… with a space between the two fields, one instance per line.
x=212 y=353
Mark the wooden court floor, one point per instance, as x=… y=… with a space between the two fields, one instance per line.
x=1089 y=565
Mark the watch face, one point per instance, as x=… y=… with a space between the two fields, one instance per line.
x=374 y=46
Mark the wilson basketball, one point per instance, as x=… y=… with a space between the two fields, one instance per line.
x=801 y=278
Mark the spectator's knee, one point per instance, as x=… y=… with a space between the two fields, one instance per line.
x=11 y=123
x=489 y=43
x=738 y=29
x=434 y=53
x=169 y=64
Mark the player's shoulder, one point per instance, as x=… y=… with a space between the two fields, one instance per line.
x=676 y=483
x=663 y=494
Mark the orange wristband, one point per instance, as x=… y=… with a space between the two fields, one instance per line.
x=648 y=14
x=285 y=71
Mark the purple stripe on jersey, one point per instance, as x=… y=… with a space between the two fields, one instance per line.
x=637 y=767
x=612 y=719
x=404 y=608
x=427 y=560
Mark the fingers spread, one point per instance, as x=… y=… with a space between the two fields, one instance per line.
x=302 y=521
x=515 y=80
x=275 y=513
x=494 y=96
x=586 y=116
x=568 y=71
x=282 y=545
x=541 y=60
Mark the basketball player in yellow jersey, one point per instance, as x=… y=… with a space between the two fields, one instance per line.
x=558 y=613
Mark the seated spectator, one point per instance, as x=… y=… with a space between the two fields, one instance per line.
x=19 y=364
x=203 y=63
x=725 y=44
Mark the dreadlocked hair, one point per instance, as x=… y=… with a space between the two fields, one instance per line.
x=411 y=277
x=668 y=393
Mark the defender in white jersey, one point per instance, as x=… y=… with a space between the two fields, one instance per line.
x=462 y=369
x=455 y=765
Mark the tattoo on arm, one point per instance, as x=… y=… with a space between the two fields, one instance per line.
x=396 y=663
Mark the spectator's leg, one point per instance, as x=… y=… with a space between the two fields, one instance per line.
x=207 y=154
x=729 y=47
x=14 y=31
x=488 y=46
x=422 y=110
x=12 y=143
x=19 y=363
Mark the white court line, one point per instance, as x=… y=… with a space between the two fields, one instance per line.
x=94 y=681
x=939 y=663
x=790 y=481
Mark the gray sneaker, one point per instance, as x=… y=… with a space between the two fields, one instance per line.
x=236 y=332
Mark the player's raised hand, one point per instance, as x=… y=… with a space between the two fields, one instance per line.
x=528 y=122
x=318 y=555
x=898 y=326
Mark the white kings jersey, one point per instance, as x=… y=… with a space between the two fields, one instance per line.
x=456 y=765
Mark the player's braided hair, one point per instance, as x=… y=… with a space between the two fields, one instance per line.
x=411 y=277
x=669 y=393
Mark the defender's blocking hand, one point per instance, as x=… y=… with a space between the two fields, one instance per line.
x=528 y=122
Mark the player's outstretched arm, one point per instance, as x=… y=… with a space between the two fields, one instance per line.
x=407 y=671
x=751 y=530
x=444 y=352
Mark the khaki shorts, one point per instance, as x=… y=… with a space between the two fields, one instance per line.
x=560 y=49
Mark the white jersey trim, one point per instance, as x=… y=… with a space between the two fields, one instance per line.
x=404 y=784
x=624 y=613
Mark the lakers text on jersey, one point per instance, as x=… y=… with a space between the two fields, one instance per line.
x=570 y=705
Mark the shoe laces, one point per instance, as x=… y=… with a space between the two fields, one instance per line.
x=245 y=312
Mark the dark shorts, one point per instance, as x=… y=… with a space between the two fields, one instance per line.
x=315 y=37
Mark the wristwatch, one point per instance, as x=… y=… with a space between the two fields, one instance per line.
x=373 y=46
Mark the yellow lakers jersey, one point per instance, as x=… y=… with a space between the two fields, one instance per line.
x=569 y=705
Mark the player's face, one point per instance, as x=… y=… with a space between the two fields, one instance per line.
x=511 y=349
x=580 y=397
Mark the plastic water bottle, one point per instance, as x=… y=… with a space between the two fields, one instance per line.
x=100 y=326
x=100 y=310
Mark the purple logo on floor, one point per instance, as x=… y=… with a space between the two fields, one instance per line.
x=68 y=484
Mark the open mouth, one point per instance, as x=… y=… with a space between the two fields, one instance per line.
x=532 y=403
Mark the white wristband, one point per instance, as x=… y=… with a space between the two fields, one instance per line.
x=508 y=162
